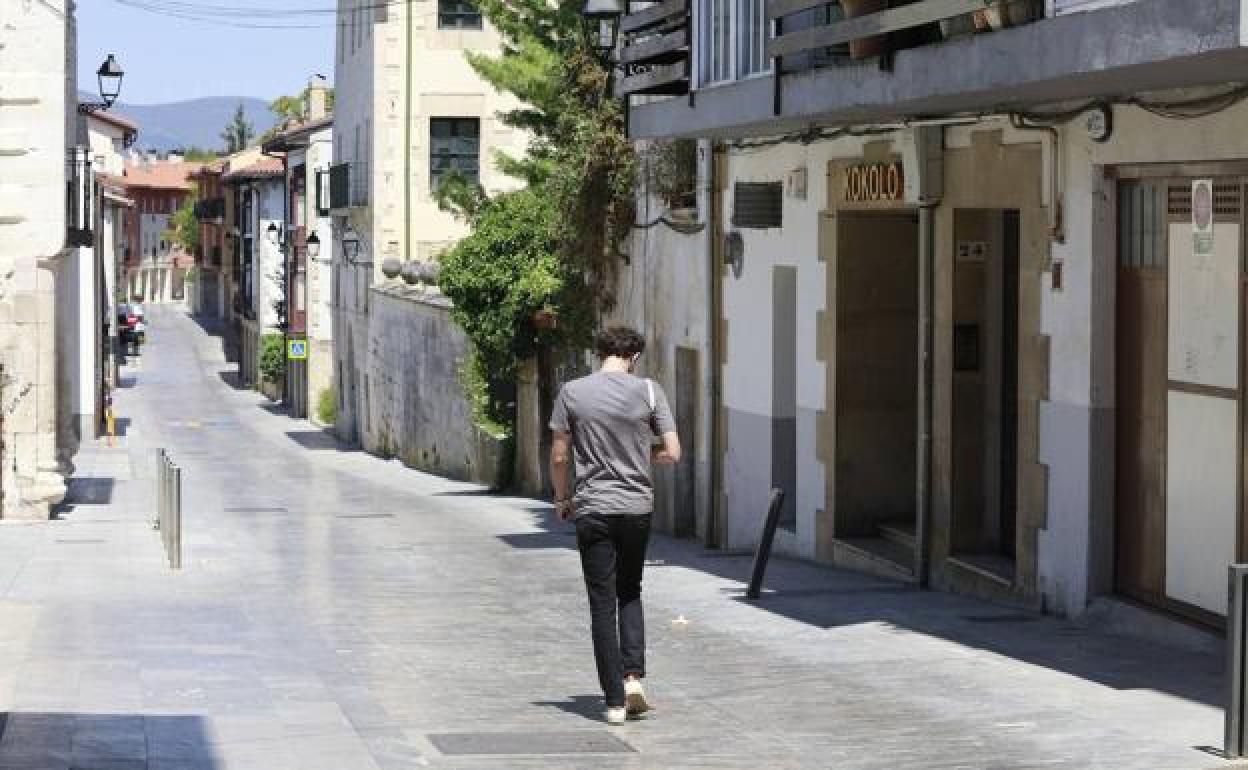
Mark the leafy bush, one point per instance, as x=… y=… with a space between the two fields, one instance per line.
x=498 y=277
x=273 y=358
x=327 y=405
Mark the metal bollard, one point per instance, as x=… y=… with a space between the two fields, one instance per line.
x=763 y=553
x=169 y=507
x=1236 y=743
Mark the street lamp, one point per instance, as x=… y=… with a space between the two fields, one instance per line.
x=110 y=75
x=351 y=247
x=313 y=244
x=601 y=19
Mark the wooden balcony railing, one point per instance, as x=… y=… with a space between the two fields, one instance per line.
x=655 y=55
x=843 y=31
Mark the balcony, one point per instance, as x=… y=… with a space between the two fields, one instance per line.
x=656 y=48
x=348 y=185
x=929 y=58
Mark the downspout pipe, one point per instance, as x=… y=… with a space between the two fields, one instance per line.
x=706 y=202
x=923 y=466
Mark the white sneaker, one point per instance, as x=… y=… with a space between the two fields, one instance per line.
x=617 y=716
x=635 y=697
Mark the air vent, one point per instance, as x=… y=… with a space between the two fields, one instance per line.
x=757 y=204
x=1226 y=201
x=1179 y=201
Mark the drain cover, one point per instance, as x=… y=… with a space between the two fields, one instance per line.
x=999 y=618
x=454 y=744
x=365 y=516
x=86 y=541
x=255 y=510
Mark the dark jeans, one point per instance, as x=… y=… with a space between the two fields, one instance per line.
x=613 y=554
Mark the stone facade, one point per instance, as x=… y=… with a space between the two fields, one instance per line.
x=37 y=65
x=420 y=413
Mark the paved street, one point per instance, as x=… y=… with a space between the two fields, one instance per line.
x=336 y=610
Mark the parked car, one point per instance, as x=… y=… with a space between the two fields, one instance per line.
x=131 y=328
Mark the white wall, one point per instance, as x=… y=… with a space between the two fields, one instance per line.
x=1079 y=323
x=747 y=375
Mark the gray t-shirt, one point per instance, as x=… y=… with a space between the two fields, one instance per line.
x=609 y=417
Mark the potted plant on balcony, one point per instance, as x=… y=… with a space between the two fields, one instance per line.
x=1006 y=13
x=875 y=45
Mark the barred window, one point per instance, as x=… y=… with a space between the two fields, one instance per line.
x=455 y=145
x=458 y=14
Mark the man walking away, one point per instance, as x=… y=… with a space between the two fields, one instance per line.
x=607 y=422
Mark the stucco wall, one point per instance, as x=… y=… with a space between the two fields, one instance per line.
x=1077 y=424
x=419 y=413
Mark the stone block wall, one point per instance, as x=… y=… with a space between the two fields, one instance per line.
x=419 y=412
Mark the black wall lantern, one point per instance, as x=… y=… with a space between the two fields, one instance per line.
x=110 y=75
x=601 y=19
x=351 y=248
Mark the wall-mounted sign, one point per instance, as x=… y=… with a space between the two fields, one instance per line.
x=1202 y=217
x=297 y=350
x=874 y=182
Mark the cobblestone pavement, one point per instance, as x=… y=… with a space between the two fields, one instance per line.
x=339 y=611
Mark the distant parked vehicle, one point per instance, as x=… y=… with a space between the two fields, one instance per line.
x=131 y=328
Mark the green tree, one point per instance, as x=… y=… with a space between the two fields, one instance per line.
x=498 y=278
x=293 y=108
x=566 y=228
x=238 y=132
x=183 y=225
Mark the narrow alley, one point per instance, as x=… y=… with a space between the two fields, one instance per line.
x=339 y=611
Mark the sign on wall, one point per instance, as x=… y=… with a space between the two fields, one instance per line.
x=1202 y=217
x=874 y=183
x=297 y=350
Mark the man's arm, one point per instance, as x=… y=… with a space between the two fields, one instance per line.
x=560 y=461
x=669 y=452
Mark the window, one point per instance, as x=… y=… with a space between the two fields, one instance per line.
x=455 y=145
x=732 y=35
x=458 y=14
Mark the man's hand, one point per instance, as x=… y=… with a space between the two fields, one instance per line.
x=661 y=456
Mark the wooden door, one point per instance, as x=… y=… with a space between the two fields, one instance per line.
x=1140 y=524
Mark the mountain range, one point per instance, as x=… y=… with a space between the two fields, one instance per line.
x=191 y=123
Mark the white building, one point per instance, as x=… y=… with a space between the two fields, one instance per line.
x=37 y=127
x=257 y=194
x=982 y=324
x=408 y=108
x=156 y=264
x=307 y=150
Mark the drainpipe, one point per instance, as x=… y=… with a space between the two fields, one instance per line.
x=712 y=238
x=407 y=143
x=923 y=468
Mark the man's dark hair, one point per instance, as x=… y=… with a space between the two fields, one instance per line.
x=619 y=341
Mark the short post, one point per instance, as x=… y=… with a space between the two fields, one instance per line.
x=1236 y=744
x=175 y=536
x=764 y=544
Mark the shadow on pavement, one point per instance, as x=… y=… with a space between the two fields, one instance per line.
x=58 y=740
x=587 y=706
x=826 y=598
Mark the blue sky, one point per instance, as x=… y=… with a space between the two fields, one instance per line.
x=170 y=59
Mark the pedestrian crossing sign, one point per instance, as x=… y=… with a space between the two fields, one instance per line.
x=297 y=350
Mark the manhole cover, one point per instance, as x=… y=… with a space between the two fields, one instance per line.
x=365 y=516
x=255 y=510
x=455 y=744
